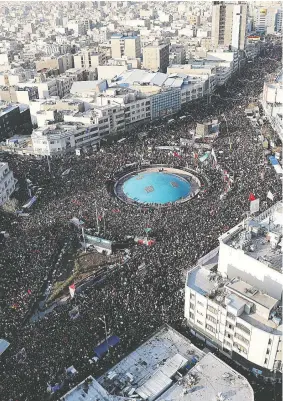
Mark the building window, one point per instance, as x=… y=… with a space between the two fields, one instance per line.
x=211 y=309
x=199 y=313
x=192 y=296
x=211 y=318
x=200 y=303
x=192 y=306
x=244 y=340
x=232 y=317
x=192 y=316
x=199 y=322
x=265 y=361
x=230 y=326
x=267 y=351
x=210 y=328
x=243 y=328
x=240 y=348
x=269 y=341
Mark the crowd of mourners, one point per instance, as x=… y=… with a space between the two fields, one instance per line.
x=134 y=304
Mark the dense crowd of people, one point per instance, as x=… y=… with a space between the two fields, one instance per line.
x=134 y=304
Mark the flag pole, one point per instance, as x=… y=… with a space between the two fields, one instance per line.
x=104 y=222
x=83 y=234
x=97 y=222
x=49 y=167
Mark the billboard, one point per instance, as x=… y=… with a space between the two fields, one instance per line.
x=97 y=241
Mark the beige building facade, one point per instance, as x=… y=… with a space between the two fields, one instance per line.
x=156 y=57
x=229 y=24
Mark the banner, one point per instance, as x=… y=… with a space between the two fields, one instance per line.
x=213 y=155
x=97 y=241
x=204 y=157
x=78 y=223
x=254 y=206
x=270 y=195
x=30 y=202
x=66 y=172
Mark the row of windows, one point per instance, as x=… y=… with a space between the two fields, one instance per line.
x=243 y=339
x=231 y=316
x=210 y=328
x=241 y=348
x=211 y=318
x=243 y=328
x=212 y=310
x=85 y=138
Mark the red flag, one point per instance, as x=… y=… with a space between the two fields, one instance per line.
x=177 y=155
x=251 y=197
x=100 y=218
x=29 y=291
x=72 y=290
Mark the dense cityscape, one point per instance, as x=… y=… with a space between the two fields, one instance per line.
x=140 y=201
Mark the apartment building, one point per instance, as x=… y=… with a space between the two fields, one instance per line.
x=225 y=55
x=122 y=45
x=57 y=86
x=272 y=99
x=88 y=59
x=14 y=94
x=7 y=183
x=165 y=103
x=61 y=63
x=14 y=119
x=233 y=296
x=156 y=57
x=229 y=24
x=55 y=140
x=99 y=114
x=136 y=106
x=177 y=54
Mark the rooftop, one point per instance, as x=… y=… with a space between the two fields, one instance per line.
x=259 y=237
x=163 y=354
x=219 y=289
x=210 y=379
x=166 y=367
x=6 y=109
x=144 y=77
x=89 y=390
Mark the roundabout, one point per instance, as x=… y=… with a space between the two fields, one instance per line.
x=157 y=186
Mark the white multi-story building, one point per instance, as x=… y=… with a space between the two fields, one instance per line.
x=135 y=106
x=7 y=183
x=99 y=114
x=225 y=55
x=233 y=296
x=272 y=99
x=55 y=140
